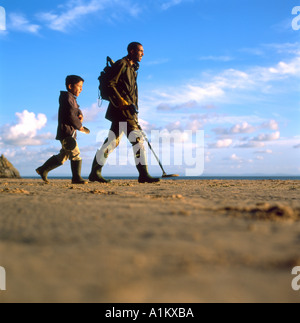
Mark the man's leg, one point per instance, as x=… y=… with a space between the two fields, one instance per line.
x=110 y=144
x=137 y=140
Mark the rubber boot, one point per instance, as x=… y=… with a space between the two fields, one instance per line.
x=141 y=164
x=49 y=165
x=96 y=175
x=76 y=171
x=144 y=175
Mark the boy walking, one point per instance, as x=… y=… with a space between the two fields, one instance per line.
x=70 y=120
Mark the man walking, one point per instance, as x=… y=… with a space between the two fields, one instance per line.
x=123 y=113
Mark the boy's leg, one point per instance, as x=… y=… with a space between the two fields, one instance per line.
x=76 y=164
x=110 y=144
x=49 y=165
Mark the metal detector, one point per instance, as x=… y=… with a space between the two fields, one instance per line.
x=164 y=175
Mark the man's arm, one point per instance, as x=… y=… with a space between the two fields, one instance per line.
x=116 y=72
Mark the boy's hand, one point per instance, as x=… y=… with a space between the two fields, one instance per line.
x=85 y=130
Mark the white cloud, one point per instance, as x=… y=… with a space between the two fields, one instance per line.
x=190 y=125
x=60 y=22
x=171 y=3
x=284 y=68
x=216 y=58
x=156 y=62
x=234 y=157
x=146 y=126
x=195 y=125
x=185 y=105
x=225 y=143
x=242 y=128
x=91 y=114
x=228 y=85
x=75 y=10
x=174 y=126
x=20 y=23
x=272 y=125
x=188 y=93
x=267 y=151
x=251 y=144
x=24 y=132
x=285 y=48
x=259 y=141
x=253 y=51
x=268 y=137
x=208 y=157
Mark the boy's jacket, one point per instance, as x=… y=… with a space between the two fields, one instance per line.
x=68 y=116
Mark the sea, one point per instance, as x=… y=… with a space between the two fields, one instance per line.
x=248 y=178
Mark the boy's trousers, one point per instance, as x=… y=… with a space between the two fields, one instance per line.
x=64 y=155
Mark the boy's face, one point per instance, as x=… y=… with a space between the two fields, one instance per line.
x=76 y=89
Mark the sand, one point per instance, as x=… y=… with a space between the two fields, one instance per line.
x=176 y=241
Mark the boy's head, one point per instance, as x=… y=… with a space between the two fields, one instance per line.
x=74 y=84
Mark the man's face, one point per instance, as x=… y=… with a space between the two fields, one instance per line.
x=138 y=54
x=76 y=89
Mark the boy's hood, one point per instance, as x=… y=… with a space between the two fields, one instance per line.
x=66 y=93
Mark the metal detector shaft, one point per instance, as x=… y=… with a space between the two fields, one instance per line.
x=159 y=162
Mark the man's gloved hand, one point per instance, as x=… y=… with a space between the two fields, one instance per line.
x=133 y=109
x=123 y=103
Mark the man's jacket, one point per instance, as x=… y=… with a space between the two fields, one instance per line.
x=122 y=84
x=68 y=116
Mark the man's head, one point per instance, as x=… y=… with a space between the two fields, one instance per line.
x=74 y=84
x=135 y=52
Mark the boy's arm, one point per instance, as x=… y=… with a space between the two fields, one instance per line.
x=80 y=115
x=73 y=115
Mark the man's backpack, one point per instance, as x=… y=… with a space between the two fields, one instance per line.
x=104 y=80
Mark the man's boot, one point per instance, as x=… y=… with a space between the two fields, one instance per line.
x=76 y=171
x=96 y=175
x=145 y=176
x=141 y=164
x=49 y=165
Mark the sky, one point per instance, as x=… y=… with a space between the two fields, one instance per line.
x=228 y=68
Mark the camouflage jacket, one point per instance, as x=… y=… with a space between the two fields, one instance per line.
x=123 y=84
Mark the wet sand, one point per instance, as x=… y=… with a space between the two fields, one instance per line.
x=176 y=241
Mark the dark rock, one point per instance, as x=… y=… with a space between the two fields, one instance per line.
x=7 y=170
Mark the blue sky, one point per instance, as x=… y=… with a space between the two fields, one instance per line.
x=230 y=68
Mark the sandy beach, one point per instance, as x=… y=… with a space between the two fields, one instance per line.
x=176 y=241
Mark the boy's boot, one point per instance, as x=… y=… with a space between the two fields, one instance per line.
x=76 y=171
x=141 y=165
x=96 y=175
x=49 y=165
